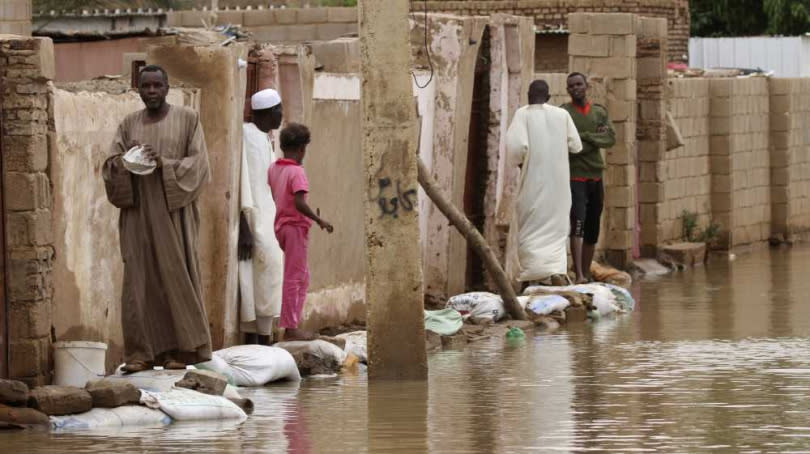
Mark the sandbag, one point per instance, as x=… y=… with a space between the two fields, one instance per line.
x=150 y=380
x=546 y=304
x=316 y=357
x=126 y=416
x=187 y=405
x=356 y=344
x=602 y=298
x=445 y=322
x=479 y=307
x=253 y=365
x=623 y=297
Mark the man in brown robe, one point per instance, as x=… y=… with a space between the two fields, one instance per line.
x=164 y=320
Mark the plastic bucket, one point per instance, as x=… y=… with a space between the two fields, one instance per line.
x=77 y=362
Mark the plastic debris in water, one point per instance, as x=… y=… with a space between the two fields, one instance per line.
x=515 y=333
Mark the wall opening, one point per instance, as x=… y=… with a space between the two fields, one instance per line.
x=475 y=185
x=551 y=53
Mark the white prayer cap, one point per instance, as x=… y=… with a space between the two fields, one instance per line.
x=265 y=99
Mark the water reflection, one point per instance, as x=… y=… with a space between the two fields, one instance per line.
x=715 y=358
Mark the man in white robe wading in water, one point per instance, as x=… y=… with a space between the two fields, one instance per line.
x=261 y=261
x=164 y=319
x=539 y=140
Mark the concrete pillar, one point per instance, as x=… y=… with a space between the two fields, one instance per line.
x=651 y=130
x=394 y=293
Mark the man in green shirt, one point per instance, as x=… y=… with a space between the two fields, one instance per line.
x=587 y=191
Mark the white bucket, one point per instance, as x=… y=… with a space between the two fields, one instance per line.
x=77 y=362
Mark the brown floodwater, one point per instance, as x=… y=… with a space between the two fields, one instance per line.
x=715 y=359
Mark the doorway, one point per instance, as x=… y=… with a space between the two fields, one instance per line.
x=477 y=173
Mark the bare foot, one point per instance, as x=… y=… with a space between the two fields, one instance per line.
x=582 y=280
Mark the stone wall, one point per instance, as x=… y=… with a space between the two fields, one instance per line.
x=15 y=17
x=740 y=160
x=686 y=170
x=26 y=68
x=790 y=156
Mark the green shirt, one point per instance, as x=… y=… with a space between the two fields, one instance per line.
x=589 y=163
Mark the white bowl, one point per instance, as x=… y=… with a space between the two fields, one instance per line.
x=136 y=162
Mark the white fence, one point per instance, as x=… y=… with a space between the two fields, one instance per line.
x=785 y=56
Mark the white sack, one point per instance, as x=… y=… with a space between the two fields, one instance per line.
x=356 y=344
x=126 y=416
x=478 y=306
x=187 y=405
x=253 y=365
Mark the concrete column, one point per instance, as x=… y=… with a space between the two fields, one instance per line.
x=394 y=293
x=651 y=131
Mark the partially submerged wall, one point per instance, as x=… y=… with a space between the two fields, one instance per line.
x=790 y=156
x=741 y=194
x=88 y=271
x=685 y=170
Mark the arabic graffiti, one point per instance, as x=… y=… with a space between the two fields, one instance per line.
x=398 y=200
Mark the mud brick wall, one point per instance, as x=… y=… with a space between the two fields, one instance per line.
x=790 y=156
x=277 y=25
x=15 y=17
x=26 y=67
x=553 y=13
x=740 y=160
x=603 y=46
x=546 y=13
x=685 y=170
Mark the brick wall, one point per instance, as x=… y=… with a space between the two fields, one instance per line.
x=603 y=46
x=740 y=160
x=26 y=66
x=551 y=53
x=685 y=170
x=15 y=17
x=554 y=12
x=790 y=156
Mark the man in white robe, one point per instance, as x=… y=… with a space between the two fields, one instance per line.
x=538 y=141
x=261 y=261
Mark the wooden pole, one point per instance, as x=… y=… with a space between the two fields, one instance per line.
x=474 y=239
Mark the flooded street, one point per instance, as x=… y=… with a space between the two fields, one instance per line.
x=714 y=359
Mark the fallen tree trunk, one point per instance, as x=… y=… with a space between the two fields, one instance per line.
x=475 y=240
